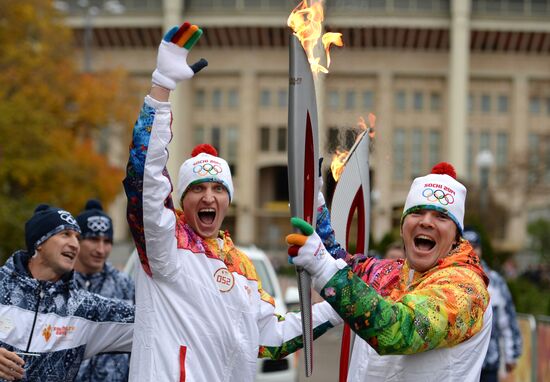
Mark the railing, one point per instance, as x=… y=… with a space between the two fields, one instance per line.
x=514 y=8
x=534 y=363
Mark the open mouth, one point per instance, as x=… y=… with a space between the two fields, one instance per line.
x=207 y=215
x=69 y=255
x=424 y=243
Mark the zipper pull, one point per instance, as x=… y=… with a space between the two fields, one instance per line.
x=87 y=284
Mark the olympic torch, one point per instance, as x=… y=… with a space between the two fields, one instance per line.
x=303 y=173
x=352 y=194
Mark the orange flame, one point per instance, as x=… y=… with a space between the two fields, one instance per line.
x=340 y=156
x=337 y=164
x=306 y=23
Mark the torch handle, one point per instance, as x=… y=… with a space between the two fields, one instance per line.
x=304 y=290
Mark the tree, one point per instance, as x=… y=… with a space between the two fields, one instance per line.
x=50 y=114
x=539 y=231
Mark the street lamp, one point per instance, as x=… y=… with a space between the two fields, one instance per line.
x=90 y=12
x=484 y=161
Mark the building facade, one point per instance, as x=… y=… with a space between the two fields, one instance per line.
x=447 y=79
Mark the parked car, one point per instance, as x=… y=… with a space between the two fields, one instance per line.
x=286 y=369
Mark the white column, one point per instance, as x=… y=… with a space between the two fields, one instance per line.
x=382 y=207
x=458 y=83
x=519 y=150
x=247 y=172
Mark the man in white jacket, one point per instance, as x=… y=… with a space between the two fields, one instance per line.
x=201 y=312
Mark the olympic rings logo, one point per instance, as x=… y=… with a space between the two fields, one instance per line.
x=99 y=223
x=438 y=196
x=65 y=215
x=207 y=169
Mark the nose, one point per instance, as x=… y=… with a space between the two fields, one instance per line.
x=101 y=247
x=208 y=196
x=427 y=219
x=74 y=243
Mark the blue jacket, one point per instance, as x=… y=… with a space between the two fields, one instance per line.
x=505 y=324
x=112 y=283
x=58 y=322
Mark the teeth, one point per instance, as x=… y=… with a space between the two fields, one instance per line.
x=207 y=210
x=424 y=237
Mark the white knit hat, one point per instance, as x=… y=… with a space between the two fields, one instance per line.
x=438 y=191
x=204 y=166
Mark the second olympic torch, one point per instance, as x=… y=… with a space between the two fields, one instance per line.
x=352 y=194
x=303 y=172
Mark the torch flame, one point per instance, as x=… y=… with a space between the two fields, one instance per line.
x=340 y=157
x=337 y=164
x=306 y=23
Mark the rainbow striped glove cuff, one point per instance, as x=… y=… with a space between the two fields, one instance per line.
x=172 y=64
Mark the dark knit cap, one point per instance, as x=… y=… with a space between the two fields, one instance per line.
x=472 y=236
x=94 y=222
x=45 y=222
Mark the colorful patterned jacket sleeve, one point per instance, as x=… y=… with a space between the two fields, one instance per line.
x=441 y=311
x=281 y=336
x=150 y=210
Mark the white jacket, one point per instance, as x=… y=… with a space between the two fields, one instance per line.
x=197 y=317
x=438 y=365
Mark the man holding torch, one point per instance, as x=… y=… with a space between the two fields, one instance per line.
x=201 y=312
x=425 y=317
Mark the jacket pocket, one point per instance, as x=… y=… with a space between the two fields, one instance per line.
x=183 y=353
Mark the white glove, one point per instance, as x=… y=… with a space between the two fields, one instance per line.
x=320 y=196
x=308 y=251
x=172 y=64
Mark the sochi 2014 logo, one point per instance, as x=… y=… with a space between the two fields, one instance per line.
x=438 y=196
x=205 y=169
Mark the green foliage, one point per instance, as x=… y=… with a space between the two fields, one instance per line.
x=539 y=231
x=50 y=116
x=530 y=297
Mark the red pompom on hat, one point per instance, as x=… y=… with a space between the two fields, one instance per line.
x=204 y=148
x=444 y=168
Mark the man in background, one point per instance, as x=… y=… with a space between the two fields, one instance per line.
x=505 y=333
x=395 y=251
x=96 y=275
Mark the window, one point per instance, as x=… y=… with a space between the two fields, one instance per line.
x=435 y=101
x=416 y=153
x=434 y=144
x=200 y=98
x=399 y=154
x=216 y=98
x=484 y=141
x=282 y=98
x=501 y=157
x=418 y=101
x=265 y=98
x=264 y=138
x=400 y=100
x=332 y=139
x=485 y=103
x=281 y=139
x=503 y=104
x=533 y=158
x=368 y=100
x=349 y=137
x=233 y=98
x=216 y=139
x=350 y=100
x=471 y=102
x=232 y=143
x=198 y=135
x=333 y=99
x=534 y=105
x=547 y=105
x=470 y=154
